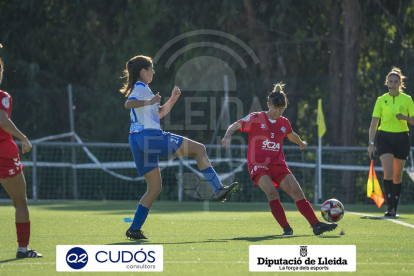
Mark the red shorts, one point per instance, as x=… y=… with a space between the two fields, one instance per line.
x=10 y=167
x=276 y=172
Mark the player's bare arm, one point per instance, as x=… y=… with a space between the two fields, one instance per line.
x=225 y=142
x=294 y=138
x=372 y=132
x=129 y=104
x=175 y=94
x=8 y=126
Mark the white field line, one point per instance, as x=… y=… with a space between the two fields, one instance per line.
x=392 y=220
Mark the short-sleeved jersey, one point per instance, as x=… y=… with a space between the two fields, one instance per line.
x=387 y=107
x=8 y=149
x=144 y=117
x=265 y=138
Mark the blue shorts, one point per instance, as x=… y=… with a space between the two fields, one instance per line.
x=149 y=144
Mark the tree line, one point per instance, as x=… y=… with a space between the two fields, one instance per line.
x=337 y=50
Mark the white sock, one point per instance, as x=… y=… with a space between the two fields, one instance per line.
x=23 y=249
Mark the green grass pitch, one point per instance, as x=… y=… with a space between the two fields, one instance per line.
x=203 y=243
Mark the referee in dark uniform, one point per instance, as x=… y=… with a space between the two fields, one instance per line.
x=395 y=109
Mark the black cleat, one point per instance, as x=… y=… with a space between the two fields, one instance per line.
x=390 y=212
x=225 y=191
x=135 y=234
x=287 y=231
x=28 y=254
x=322 y=227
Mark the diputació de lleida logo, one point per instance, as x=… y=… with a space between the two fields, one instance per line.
x=303 y=251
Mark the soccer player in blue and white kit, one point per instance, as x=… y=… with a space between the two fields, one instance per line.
x=148 y=141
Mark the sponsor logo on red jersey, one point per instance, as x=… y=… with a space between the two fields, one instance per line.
x=269 y=145
x=247 y=118
x=259 y=167
x=5 y=102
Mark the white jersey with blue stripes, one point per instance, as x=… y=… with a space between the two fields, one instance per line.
x=144 y=117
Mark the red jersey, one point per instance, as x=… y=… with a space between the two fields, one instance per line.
x=265 y=139
x=8 y=149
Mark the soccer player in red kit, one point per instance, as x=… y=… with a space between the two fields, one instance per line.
x=11 y=174
x=266 y=161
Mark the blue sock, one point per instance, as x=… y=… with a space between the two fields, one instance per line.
x=212 y=178
x=140 y=217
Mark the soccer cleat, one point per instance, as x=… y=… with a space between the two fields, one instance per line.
x=322 y=227
x=135 y=234
x=394 y=213
x=287 y=231
x=225 y=191
x=390 y=211
x=28 y=254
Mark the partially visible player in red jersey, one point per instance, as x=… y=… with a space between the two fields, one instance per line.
x=11 y=174
x=266 y=161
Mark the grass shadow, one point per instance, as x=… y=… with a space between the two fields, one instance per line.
x=10 y=260
x=165 y=207
x=264 y=238
x=248 y=239
x=373 y=218
x=275 y=237
x=148 y=242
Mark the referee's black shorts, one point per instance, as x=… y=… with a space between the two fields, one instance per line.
x=396 y=143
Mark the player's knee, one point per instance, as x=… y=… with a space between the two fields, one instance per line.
x=20 y=203
x=388 y=173
x=200 y=150
x=157 y=190
x=154 y=189
x=398 y=177
x=298 y=195
x=272 y=194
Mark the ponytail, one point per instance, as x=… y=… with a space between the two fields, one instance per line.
x=132 y=72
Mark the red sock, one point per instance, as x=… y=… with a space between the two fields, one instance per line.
x=278 y=212
x=306 y=210
x=23 y=233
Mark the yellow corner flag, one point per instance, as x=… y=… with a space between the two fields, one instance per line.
x=320 y=121
x=373 y=187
